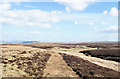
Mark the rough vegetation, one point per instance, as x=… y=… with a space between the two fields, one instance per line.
x=33 y=59
x=25 y=63
x=86 y=69
x=108 y=54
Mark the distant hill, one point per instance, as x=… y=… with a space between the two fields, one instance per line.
x=30 y=41
x=16 y=42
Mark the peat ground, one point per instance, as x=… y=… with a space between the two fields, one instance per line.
x=86 y=69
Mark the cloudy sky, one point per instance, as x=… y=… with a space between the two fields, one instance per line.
x=59 y=21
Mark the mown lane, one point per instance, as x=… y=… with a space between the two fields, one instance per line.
x=57 y=67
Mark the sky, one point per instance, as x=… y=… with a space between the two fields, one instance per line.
x=59 y=21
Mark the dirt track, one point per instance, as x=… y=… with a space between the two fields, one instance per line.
x=57 y=67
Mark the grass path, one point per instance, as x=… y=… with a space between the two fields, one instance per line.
x=57 y=67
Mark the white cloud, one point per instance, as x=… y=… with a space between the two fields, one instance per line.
x=4 y=6
x=76 y=22
x=17 y=3
x=105 y=12
x=17 y=0
x=29 y=6
x=95 y=28
x=91 y=23
x=67 y=9
x=78 y=5
x=36 y=32
x=111 y=29
x=103 y=23
x=57 y=28
x=47 y=26
x=3 y=32
x=113 y=12
x=30 y=18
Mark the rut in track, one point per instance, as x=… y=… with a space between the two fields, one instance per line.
x=57 y=67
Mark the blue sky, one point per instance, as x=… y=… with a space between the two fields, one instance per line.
x=59 y=22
